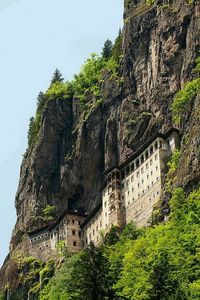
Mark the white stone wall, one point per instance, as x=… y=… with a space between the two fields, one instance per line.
x=141 y=189
x=93 y=230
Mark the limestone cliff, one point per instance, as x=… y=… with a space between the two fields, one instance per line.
x=67 y=164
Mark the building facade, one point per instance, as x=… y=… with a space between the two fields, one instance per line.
x=129 y=193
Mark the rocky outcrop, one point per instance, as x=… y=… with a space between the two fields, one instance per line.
x=66 y=166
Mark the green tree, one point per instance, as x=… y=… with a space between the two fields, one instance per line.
x=57 y=77
x=107 y=49
x=117 y=48
x=49 y=212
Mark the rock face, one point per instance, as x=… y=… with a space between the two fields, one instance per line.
x=67 y=164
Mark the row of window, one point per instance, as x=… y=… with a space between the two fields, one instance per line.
x=141 y=160
x=39 y=237
x=143 y=192
x=77 y=222
x=45 y=246
x=74 y=232
x=138 y=175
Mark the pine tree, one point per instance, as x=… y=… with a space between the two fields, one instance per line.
x=57 y=77
x=107 y=49
x=40 y=101
x=117 y=47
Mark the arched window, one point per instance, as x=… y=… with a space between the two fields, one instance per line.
x=127 y=171
x=156 y=145
x=161 y=144
x=112 y=198
x=109 y=178
x=122 y=174
x=112 y=208
x=132 y=167
x=151 y=150
x=137 y=163
x=146 y=154
x=142 y=159
x=110 y=189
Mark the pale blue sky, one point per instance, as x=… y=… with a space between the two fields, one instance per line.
x=36 y=37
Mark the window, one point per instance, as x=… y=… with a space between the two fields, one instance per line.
x=132 y=189
x=147 y=166
x=132 y=167
x=156 y=145
x=142 y=181
x=142 y=159
x=105 y=203
x=156 y=168
x=152 y=183
x=74 y=243
x=128 y=192
x=151 y=173
x=147 y=176
x=132 y=177
x=138 y=184
x=138 y=195
x=79 y=233
x=138 y=174
x=73 y=232
x=129 y=203
x=122 y=186
x=146 y=154
x=148 y=187
x=133 y=199
x=127 y=170
x=93 y=232
x=142 y=170
x=151 y=162
x=123 y=175
x=31 y=240
x=137 y=163
x=106 y=214
x=151 y=150
x=123 y=197
x=143 y=192
x=157 y=178
x=156 y=156
x=46 y=234
x=73 y=221
x=79 y=222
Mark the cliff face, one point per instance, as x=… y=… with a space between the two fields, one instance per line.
x=66 y=166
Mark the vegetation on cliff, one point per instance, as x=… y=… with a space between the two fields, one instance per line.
x=85 y=87
x=160 y=262
x=185 y=95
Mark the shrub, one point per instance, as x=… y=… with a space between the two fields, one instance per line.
x=183 y=98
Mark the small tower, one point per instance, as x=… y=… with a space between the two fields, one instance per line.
x=115 y=211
